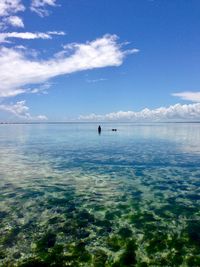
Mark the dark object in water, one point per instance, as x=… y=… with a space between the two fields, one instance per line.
x=114 y=130
x=99 y=129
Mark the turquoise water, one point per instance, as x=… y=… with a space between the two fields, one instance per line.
x=71 y=197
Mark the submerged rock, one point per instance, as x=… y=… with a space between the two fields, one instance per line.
x=46 y=242
x=125 y=232
x=194 y=232
x=128 y=258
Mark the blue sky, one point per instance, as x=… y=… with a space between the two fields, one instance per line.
x=63 y=60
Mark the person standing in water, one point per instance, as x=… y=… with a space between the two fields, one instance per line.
x=99 y=129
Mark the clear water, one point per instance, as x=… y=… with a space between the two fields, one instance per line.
x=71 y=197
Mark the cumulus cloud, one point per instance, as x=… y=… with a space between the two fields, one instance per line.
x=15 y=21
x=21 y=110
x=41 y=117
x=18 y=71
x=175 y=112
x=28 y=35
x=39 y=6
x=8 y=7
x=190 y=96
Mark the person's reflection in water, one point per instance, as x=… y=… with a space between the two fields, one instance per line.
x=99 y=129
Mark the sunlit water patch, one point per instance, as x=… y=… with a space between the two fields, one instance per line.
x=71 y=197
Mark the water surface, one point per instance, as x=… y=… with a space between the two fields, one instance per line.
x=71 y=197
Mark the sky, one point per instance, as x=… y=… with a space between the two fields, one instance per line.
x=99 y=60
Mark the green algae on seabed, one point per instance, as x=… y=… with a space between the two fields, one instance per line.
x=91 y=238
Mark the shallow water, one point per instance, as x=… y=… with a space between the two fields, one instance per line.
x=71 y=197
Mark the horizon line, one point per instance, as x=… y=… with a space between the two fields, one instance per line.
x=96 y=122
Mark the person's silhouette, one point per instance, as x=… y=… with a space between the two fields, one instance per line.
x=99 y=129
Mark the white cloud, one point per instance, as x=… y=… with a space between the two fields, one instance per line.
x=56 y=33
x=27 y=35
x=39 y=6
x=15 y=21
x=96 y=80
x=21 y=47
x=18 y=71
x=8 y=7
x=41 y=117
x=43 y=89
x=175 y=112
x=190 y=96
x=21 y=111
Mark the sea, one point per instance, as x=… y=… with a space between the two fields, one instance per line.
x=70 y=196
